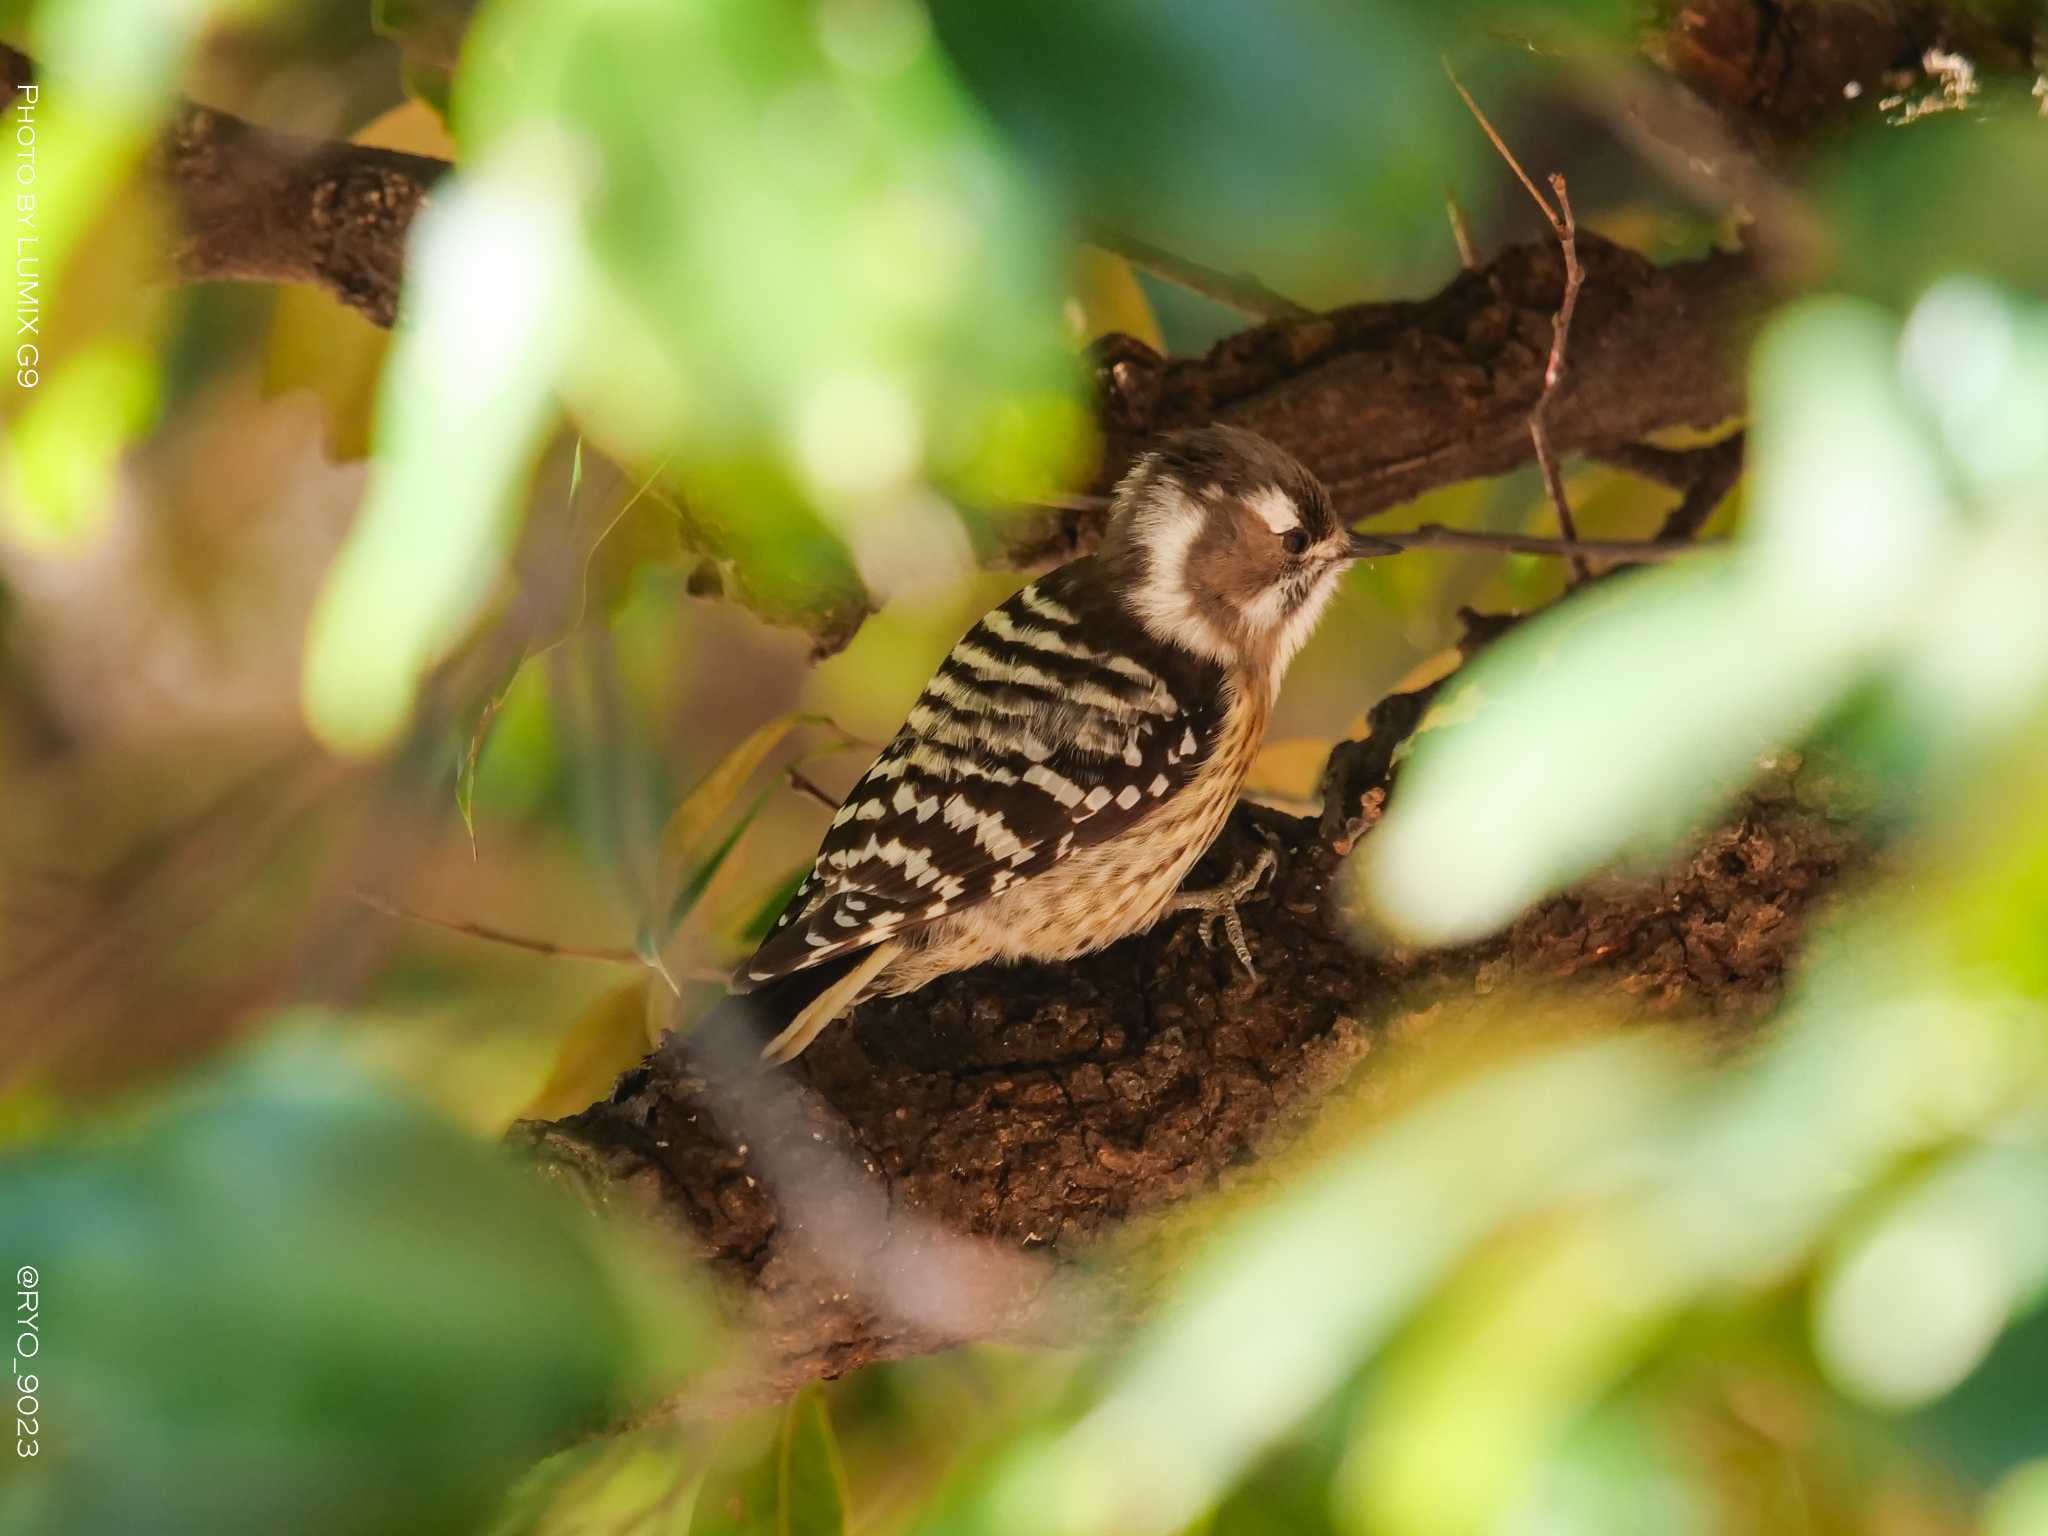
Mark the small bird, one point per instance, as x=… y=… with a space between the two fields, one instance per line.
x=1077 y=752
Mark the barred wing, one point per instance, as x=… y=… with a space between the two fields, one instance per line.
x=1055 y=724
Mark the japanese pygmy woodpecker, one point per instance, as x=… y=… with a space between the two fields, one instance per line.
x=1076 y=752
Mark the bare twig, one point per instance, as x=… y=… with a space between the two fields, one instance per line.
x=1565 y=226
x=803 y=784
x=1500 y=146
x=1703 y=476
x=492 y=935
x=1247 y=295
x=1553 y=371
x=1437 y=536
x=1578 y=551
x=1719 y=468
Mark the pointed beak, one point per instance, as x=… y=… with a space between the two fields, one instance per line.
x=1364 y=546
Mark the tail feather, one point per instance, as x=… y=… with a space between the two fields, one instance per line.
x=775 y=1022
x=827 y=1005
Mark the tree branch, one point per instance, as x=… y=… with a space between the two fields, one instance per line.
x=1018 y=1113
x=1246 y=295
x=267 y=207
x=1387 y=401
x=1384 y=401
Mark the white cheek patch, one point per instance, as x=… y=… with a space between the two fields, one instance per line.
x=1266 y=610
x=1301 y=624
x=1167 y=526
x=1276 y=509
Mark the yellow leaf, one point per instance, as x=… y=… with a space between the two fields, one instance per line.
x=318 y=343
x=611 y=1036
x=1106 y=297
x=688 y=837
x=1290 y=768
x=1431 y=669
x=1692 y=437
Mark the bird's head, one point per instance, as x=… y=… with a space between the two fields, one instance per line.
x=1222 y=543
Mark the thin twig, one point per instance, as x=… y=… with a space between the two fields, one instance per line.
x=492 y=935
x=803 y=784
x=1719 y=468
x=1565 y=226
x=1626 y=551
x=1557 y=224
x=1553 y=370
x=1703 y=477
x=1246 y=295
x=1437 y=536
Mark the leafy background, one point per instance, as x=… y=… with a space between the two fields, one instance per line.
x=298 y=612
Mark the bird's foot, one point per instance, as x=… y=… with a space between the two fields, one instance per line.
x=1219 y=905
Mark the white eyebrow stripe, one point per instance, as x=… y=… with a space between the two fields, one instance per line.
x=1276 y=508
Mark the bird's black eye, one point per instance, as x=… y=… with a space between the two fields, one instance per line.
x=1294 y=540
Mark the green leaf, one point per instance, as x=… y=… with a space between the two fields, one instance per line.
x=452 y=445
x=1960 y=1254
x=810 y=1483
x=1977 y=183
x=1290 y=1299
x=739 y=1495
x=814 y=280
x=285 y=1276
x=106 y=73
x=646 y=1481
x=1161 y=119
x=697 y=839
x=607 y=1038
x=477 y=726
x=1630 y=713
x=66 y=443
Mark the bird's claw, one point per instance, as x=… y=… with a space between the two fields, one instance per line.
x=1219 y=905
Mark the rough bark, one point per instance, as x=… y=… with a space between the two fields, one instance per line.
x=1035 y=1108
x=259 y=206
x=1780 y=71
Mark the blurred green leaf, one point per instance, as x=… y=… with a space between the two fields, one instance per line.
x=1450 y=1439
x=1287 y=1300
x=492 y=279
x=1617 y=1472
x=1633 y=712
x=610 y=1036
x=64 y=447
x=698 y=836
x=483 y=713
x=2019 y=1505
x=741 y=1491
x=475 y=731
x=643 y=1480
x=1165 y=119
x=1953 y=192
x=813 y=278
x=289 y=1301
x=811 y=1485
x=1961 y=1253
x=106 y=70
